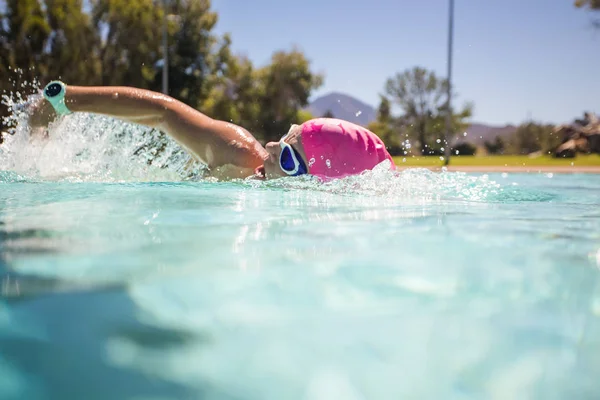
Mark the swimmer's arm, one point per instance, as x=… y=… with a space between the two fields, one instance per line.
x=214 y=142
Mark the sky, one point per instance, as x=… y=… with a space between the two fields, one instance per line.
x=514 y=59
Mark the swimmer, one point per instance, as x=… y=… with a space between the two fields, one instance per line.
x=323 y=147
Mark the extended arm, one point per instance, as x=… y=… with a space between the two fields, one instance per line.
x=217 y=143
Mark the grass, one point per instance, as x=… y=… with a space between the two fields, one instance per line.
x=501 y=161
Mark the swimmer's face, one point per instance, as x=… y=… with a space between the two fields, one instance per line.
x=294 y=139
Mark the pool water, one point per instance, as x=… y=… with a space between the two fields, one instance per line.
x=124 y=278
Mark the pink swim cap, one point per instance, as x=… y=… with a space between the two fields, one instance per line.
x=335 y=148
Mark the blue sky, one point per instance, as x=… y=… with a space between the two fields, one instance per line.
x=514 y=59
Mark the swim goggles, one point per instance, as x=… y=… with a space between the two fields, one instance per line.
x=290 y=161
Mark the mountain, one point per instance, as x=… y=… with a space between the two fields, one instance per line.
x=343 y=107
x=351 y=109
x=478 y=133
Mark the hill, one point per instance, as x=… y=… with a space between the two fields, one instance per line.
x=351 y=109
x=344 y=107
x=478 y=133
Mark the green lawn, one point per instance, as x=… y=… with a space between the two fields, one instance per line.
x=434 y=161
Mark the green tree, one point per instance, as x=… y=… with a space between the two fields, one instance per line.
x=73 y=46
x=24 y=32
x=234 y=96
x=303 y=116
x=197 y=57
x=533 y=137
x=267 y=100
x=495 y=147
x=421 y=95
x=387 y=127
x=119 y=42
x=131 y=40
x=285 y=86
x=436 y=128
x=464 y=149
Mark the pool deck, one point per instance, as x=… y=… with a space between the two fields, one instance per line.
x=515 y=169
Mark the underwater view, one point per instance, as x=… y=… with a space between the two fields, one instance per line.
x=126 y=274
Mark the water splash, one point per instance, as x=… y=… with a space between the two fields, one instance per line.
x=91 y=148
x=416 y=184
x=87 y=147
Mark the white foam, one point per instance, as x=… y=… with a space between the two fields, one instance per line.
x=85 y=147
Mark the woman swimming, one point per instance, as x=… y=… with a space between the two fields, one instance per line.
x=324 y=147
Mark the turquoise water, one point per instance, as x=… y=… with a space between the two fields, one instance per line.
x=124 y=279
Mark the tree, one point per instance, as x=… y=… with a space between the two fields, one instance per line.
x=119 y=42
x=591 y=5
x=74 y=43
x=266 y=101
x=419 y=92
x=197 y=57
x=24 y=32
x=285 y=86
x=436 y=128
x=303 y=116
x=495 y=147
x=234 y=96
x=387 y=127
x=464 y=149
x=112 y=42
x=421 y=95
x=130 y=42
x=532 y=137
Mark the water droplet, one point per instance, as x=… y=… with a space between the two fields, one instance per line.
x=442 y=149
x=311 y=162
x=328 y=163
x=404 y=159
x=358 y=113
x=457 y=152
x=504 y=174
x=442 y=158
x=550 y=175
x=464 y=133
x=438 y=141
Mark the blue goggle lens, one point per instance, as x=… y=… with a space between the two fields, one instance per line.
x=286 y=160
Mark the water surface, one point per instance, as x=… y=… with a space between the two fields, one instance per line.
x=129 y=278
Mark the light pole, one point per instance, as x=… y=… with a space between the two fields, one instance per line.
x=447 y=148
x=165 y=71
